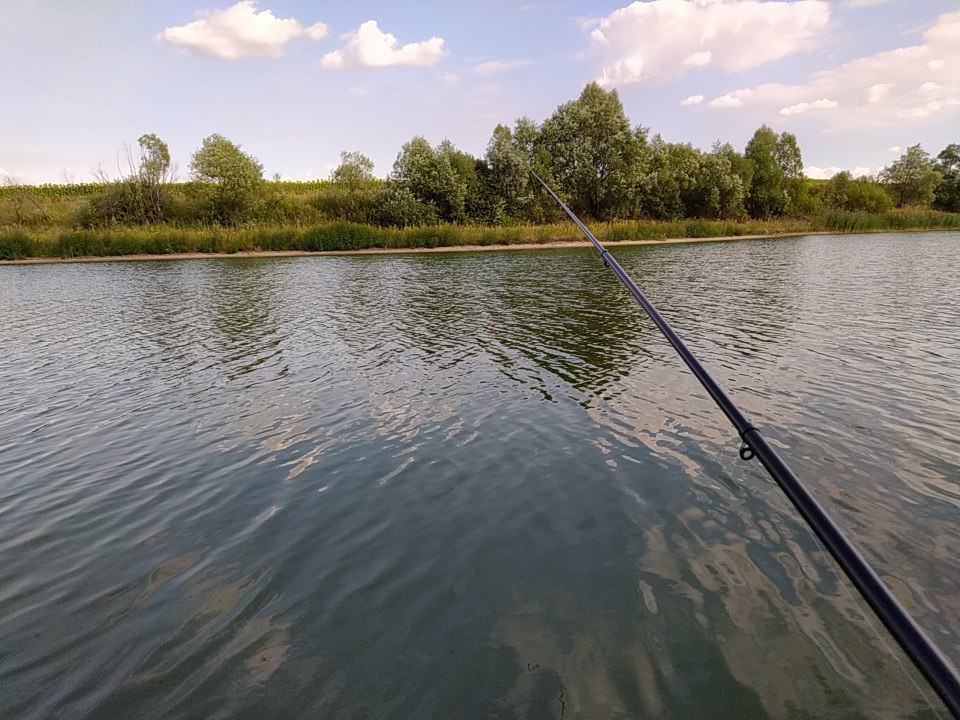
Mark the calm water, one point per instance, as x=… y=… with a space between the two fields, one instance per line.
x=473 y=485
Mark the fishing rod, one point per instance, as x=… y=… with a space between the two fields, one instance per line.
x=928 y=659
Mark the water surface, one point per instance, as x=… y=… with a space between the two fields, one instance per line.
x=474 y=485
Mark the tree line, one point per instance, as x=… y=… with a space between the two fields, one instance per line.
x=603 y=166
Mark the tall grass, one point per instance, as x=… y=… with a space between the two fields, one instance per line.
x=853 y=222
x=21 y=242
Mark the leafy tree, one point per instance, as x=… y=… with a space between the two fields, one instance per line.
x=778 y=173
x=528 y=140
x=397 y=206
x=154 y=158
x=352 y=196
x=354 y=169
x=742 y=166
x=669 y=181
x=912 y=179
x=154 y=172
x=593 y=152
x=429 y=175
x=470 y=171
x=947 y=194
x=509 y=171
x=720 y=191
x=228 y=179
x=843 y=192
x=140 y=196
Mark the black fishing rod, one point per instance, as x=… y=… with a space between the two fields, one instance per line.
x=933 y=664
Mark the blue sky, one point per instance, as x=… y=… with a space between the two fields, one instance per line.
x=296 y=82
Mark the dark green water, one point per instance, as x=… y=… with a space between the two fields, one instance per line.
x=473 y=486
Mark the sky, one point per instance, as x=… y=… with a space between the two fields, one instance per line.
x=295 y=82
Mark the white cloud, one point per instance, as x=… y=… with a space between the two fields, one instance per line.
x=894 y=148
x=448 y=79
x=692 y=100
x=818 y=173
x=888 y=89
x=699 y=59
x=494 y=67
x=877 y=92
x=317 y=31
x=368 y=46
x=730 y=100
x=799 y=108
x=663 y=39
x=240 y=31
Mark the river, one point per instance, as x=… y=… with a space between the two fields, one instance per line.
x=474 y=485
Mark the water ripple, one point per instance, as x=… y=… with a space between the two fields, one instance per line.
x=474 y=485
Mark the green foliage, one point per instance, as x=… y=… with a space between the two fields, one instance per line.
x=510 y=177
x=670 y=179
x=338 y=236
x=885 y=222
x=432 y=179
x=154 y=159
x=53 y=191
x=587 y=150
x=226 y=179
x=861 y=195
x=593 y=153
x=680 y=181
x=15 y=245
x=912 y=179
x=354 y=169
x=348 y=202
x=742 y=166
x=947 y=194
x=352 y=195
x=777 y=179
x=397 y=206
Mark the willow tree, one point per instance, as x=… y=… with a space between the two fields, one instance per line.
x=777 y=173
x=509 y=171
x=947 y=194
x=593 y=152
x=431 y=177
x=227 y=179
x=912 y=179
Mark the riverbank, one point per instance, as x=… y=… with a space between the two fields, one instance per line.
x=132 y=242
x=398 y=251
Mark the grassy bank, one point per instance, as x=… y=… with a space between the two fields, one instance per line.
x=20 y=243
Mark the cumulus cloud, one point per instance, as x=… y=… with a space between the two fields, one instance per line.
x=730 y=100
x=888 y=89
x=368 y=46
x=692 y=100
x=799 y=108
x=894 y=148
x=819 y=173
x=663 y=39
x=240 y=31
x=495 y=67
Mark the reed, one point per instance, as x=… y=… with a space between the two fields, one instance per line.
x=17 y=242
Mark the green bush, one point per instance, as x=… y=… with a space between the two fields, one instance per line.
x=15 y=245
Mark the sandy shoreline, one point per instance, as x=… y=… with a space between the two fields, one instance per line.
x=392 y=251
